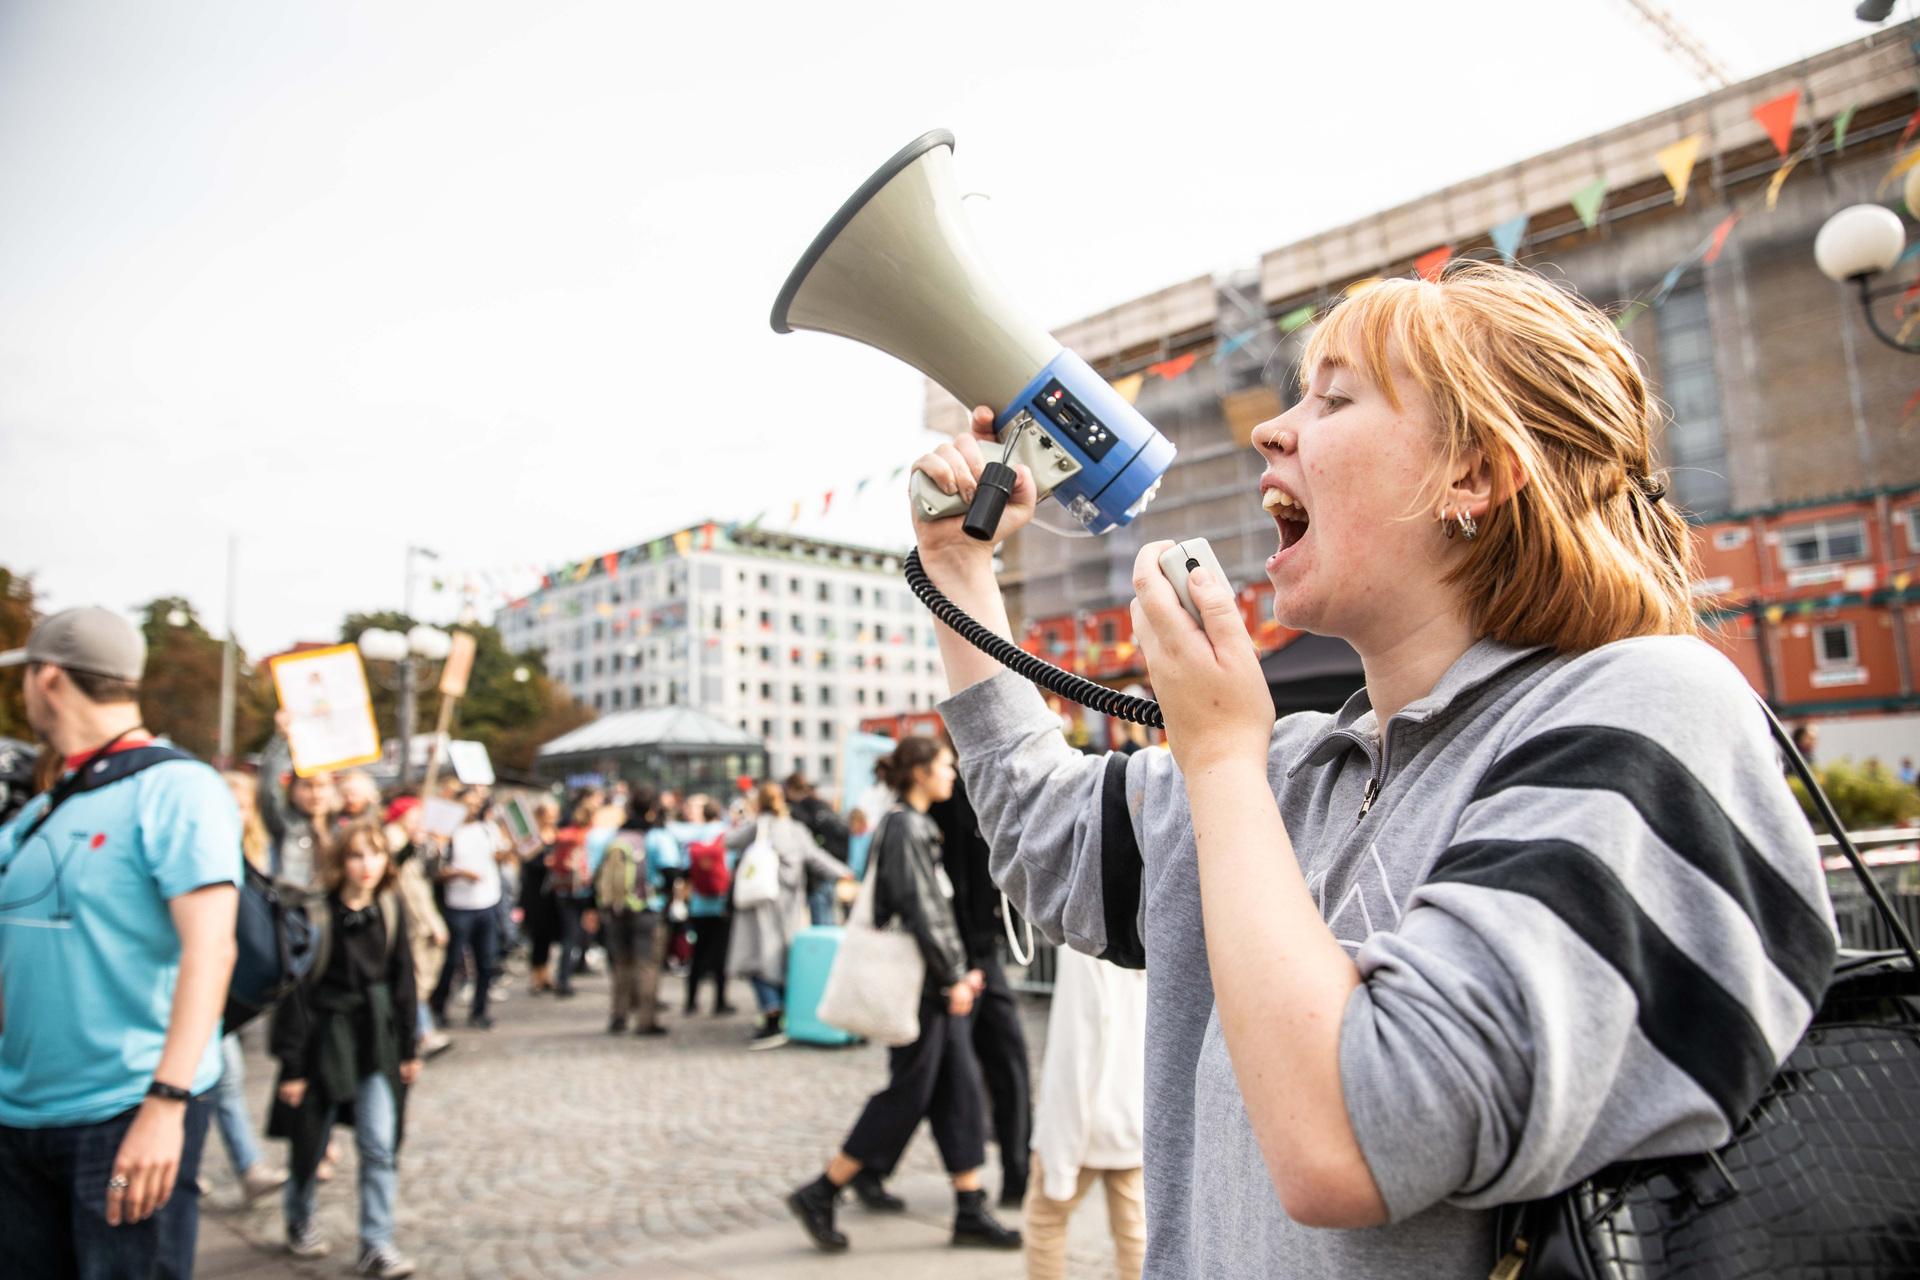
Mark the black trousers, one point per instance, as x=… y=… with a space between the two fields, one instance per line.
x=710 y=934
x=936 y=1078
x=467 y=931
x=1001 y=1046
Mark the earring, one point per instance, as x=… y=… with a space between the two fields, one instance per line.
x=1468 y=525
x=1446 y=525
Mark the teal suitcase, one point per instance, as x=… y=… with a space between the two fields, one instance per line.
x=809 y=960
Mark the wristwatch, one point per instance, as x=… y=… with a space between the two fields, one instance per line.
x=170 y=1093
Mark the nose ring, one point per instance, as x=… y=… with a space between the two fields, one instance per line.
x=1282 y=440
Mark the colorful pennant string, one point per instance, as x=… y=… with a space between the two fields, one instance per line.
x=1587 y=200
x=1508 y=235
x=1776 y=117
x=1676 y=161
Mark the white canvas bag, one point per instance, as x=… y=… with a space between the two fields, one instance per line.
x=873 y=989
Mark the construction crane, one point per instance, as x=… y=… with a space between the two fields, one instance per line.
x=1681 y=43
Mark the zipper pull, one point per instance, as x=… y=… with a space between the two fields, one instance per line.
x=1509 y=1267
x=1368 y=797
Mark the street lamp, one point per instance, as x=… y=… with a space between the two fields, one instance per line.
x=429 y=644
x=1863 y=242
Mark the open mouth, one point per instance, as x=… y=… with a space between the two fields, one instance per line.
x=1288 y=513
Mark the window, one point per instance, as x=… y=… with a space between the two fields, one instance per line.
x=1912 y=517
x=599 y=666
x=1833 y=645
x=793 y=586
x=1821 y=543
x=824 y=594
x=879 y=697
x=766 y=619
x=766 y=654
x=599 y=631
x=859 y=596
x=859 y=662
x=1694 y=446
x=826 y=731
x=614 y=662
x=797 y=695
x=826 y=695
x=766 y=582
x=1730 y=539
x=766 y=690
x=860 y=697
x=826 y=766
x=797 y=623
x=637 y=701
x=579 y=672
x=1108 y=633
x=599 y=702
x=616 y=699
x=799 y=728
x=879 y=599
x=766 y=728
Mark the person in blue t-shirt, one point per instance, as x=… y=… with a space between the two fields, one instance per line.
x=118 y=891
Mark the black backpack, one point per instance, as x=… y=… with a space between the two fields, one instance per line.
x=274 y=938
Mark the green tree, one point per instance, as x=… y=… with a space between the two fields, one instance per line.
x=16 y=620
x=180 y=692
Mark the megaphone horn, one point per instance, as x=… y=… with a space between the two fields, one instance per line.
x=897 y=269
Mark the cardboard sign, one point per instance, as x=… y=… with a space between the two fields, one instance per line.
x=459 y=666
x=520 y=824
x=325 y=693
x=442 y=817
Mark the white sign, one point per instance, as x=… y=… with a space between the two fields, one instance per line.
x=1815 y=576
x=324 y=691
x=442 y=817
x=470 y=763
x=1829 y=677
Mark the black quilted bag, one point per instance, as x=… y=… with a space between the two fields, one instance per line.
x=1822 y=1179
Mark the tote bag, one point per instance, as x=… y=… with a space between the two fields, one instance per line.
x=757 y=878
x=873 y=989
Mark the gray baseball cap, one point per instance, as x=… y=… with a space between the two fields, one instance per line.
x=89 y=639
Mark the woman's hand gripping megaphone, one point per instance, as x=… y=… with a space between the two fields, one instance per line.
x=955 y=468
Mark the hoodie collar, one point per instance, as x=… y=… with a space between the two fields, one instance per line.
x=1480 y=664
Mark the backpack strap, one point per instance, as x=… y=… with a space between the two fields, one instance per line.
x=103 y=768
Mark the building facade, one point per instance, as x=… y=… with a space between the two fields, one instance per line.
x=1790 y=434
x=793 y=640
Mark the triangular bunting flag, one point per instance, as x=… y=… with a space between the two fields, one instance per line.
x=1840 y=123
x=1587 y=201
x=1129 y=386
x=610 y=562
x=1235 y=342
x=706 y=536
x=1898 y=170
x=1776 y=117
x=1913 y=122
x=1360 y=286
x=683 y=541
x=795 y=517
x=895 y=473
x=1779 y=180
x=826 y=502
x=1508 y=235
x=1720 y=234
x=1428 y=265
x=1176 y=367
x=1294 y=319
x=754 y=523
x=1676 y=161
x=1669 y=281
x=1628 y=316
x=861 y=487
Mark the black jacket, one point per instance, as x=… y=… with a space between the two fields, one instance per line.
x=976 y=899
x=906 y=863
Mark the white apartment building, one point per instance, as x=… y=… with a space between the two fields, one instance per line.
x=793 y=639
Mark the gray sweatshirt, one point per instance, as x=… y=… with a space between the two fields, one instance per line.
x=1589 y=918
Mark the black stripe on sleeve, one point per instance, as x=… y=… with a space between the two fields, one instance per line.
x=1683 y=1011
x=1673 y=804
x=1121 y=870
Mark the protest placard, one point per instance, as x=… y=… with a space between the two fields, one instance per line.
x=324 y=692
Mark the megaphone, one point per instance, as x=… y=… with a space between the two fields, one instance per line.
x=897 y=268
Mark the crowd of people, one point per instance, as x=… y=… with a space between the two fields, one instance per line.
x=409 y=928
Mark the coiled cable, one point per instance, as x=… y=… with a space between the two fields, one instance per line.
x=1075 y=688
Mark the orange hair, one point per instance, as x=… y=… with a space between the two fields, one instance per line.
x=1578 y=548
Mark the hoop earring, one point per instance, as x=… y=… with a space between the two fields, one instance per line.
x=1468 y=525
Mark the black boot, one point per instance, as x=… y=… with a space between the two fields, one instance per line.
x=874 y=1195
x=973 y=1225
x=813 y=1205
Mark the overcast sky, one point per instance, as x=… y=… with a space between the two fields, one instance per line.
x=494 y=277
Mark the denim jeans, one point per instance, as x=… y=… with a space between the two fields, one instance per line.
x=573 y=940
x=374 y=1119
x=467 y=930
x=53 y=1204
x=820 y=904
x=230 y=1108
x=770 y=996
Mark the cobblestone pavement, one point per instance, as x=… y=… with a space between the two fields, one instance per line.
x=547 y=1148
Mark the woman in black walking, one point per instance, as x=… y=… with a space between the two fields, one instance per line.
x=937 y=1076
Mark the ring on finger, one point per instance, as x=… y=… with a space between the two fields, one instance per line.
x=117 y=1183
